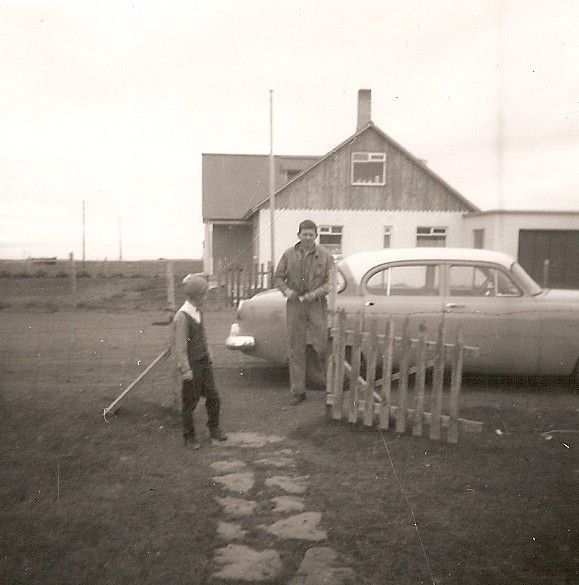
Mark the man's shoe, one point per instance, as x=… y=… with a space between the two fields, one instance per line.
x=297 y=399
x=217 y=434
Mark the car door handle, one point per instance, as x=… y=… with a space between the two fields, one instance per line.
x=454 y=306
x=369 y=303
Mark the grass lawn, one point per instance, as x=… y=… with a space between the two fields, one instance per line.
x=86 y=501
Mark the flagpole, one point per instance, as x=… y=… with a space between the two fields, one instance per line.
x=271 y=182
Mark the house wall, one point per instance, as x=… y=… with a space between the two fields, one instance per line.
x=363 y=230
x=502 y=229
x=408 y=186
x=230 y=244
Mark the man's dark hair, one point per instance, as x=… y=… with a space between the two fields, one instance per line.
x=308 y=224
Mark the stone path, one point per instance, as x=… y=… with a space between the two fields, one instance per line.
x=244 y=496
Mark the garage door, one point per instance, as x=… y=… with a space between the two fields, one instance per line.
x=559 y=247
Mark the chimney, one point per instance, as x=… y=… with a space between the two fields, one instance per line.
x=364 y=108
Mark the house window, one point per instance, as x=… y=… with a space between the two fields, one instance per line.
x=387 y=236
x=478 y=237
x=331 y=238
x=431 y=237
x=368 y=168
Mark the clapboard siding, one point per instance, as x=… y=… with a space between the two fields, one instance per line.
x=408 y=185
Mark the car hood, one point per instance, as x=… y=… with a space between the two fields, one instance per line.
x=561 y=295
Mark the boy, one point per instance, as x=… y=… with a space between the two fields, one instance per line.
x=194 y=363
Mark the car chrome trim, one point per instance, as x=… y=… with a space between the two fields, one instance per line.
x=240 y=342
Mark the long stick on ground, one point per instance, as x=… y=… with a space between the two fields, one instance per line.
x=113 y=404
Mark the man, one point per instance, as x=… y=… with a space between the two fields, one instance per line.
x=303 y=276
x=194 y=363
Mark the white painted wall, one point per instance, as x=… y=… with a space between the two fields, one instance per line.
x=502 y=229
x=362 y=229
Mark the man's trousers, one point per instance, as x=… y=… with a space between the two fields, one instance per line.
x=305 y=317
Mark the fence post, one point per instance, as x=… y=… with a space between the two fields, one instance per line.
x=219 y=284
x=371 y=359
x=403 y=383
x=270 y=270
x=546 y=264
x=106 y=268
x=437 y=385
x=419 y=382
x=356 y=361
x=333 y=298
x=386 y=374
x=338 y=378
x=261 y=277
x=455 y=387
x=171 y=286
x=72 y=279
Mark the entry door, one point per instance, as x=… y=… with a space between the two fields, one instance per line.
x=493 y=315
x=556 y=247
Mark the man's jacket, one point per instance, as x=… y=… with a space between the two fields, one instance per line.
x=305 y=274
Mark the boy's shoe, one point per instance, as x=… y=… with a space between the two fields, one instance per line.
x=192 y=443
x=217 y=434
x=297 y=399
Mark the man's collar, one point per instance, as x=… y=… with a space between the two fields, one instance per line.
x=300 y=248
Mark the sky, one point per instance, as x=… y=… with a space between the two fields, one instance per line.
x=113 y=102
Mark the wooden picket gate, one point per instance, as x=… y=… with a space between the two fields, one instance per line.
x=353 y=390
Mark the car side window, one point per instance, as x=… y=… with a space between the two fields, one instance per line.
x=405 y=280
x=480 y=281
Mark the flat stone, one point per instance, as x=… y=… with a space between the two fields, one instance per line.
x=277 y=462
x=331 y=576
x=239 y=562
x=283 y=452
x=252 y=440
x=230 y=530
x=227 y=466
x=237 y=507
x=236 y=482
x=288 y=504
x=300 y=527
x=320 y=567
x=291 y=485
x=318 y=557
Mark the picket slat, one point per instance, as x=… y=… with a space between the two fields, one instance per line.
x=340 y=347
x=387 y=374
x=437 y=385
x=454 y=399
x=371 y=362
x=419 y=381
x=403 y=384
x=355 y=369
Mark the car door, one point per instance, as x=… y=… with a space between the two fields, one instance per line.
x=493 y=314
x=405 y=289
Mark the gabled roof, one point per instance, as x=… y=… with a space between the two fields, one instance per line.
x=393 y=143
x=233 y=183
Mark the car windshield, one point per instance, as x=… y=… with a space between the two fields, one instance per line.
x=527 y=281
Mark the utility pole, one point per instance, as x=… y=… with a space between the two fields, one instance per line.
x=500 y=137
x=271 y=182
x=120 y=240
x=83 y=234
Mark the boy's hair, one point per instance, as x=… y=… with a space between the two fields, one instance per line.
x=307 y=224
x=195 y=286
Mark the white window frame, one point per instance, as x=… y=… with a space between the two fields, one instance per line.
x=366 y=157
x=433 y=233
x=387 y=232
x=332 y=230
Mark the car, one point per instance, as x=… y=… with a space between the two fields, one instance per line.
x=518 y=327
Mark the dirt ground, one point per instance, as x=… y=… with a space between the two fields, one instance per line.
x=84 y=500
